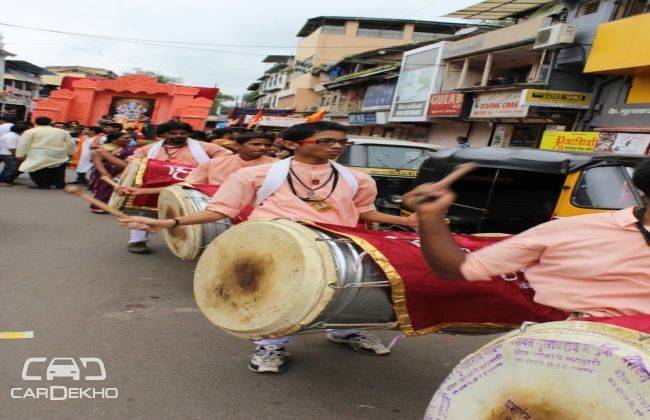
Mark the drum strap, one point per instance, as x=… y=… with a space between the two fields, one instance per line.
x=277 y=176
x=196 y=150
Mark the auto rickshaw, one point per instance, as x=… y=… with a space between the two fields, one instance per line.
x=515 y=189
x=393 y=164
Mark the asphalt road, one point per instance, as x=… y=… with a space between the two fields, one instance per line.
x=66 y=275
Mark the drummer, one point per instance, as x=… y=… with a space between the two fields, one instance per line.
x=252 y=151
x=175 y=146
x=591 y=265
x=308 y=187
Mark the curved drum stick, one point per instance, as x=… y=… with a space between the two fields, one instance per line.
x=74 y=190
x=107 y=179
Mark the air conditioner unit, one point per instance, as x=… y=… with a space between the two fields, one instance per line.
x=554 y=36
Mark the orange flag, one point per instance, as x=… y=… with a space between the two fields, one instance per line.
x=238 y=121
x=315 y=116
x=255 y=120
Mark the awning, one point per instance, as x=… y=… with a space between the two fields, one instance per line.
x=361 y=76
x=496 y=9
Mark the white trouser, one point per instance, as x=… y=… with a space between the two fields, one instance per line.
x=138 y=235
x=286 y=340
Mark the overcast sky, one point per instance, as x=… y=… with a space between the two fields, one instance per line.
x=255 y=28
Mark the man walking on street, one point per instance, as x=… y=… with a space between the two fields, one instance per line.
x=8 y=144
x=45 y=150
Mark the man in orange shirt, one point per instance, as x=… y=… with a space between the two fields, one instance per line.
x=252 y=151
x=175 y=147
x=591 y=265
x=309 y=187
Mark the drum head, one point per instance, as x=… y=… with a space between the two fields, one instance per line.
x=566 y=370
x=127 y=179
x=263 y=279
x=183 y=241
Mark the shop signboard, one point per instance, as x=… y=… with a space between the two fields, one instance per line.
x=420 y=76
x=367 y=118
x=555 y=98
x=623 y=143
x=448 y=104
x=504 y=104
x=379 y=96
x=570 y=141
x=271 y=121
x=626 y=115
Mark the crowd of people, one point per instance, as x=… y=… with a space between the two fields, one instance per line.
x=591 y=265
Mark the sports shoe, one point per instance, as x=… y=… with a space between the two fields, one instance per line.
x=361 y=342
x=138 y=248
x=269 y=358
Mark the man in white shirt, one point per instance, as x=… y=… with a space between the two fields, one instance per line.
x=44 y=151
x=5 y=125
x=8 y=144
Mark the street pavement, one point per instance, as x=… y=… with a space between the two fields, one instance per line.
x=66 y=275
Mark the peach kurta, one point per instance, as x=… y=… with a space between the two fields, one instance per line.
x=215 y=171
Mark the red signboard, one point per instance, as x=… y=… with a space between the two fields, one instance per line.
x=446 y=104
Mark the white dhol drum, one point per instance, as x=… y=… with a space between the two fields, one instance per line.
x=568 y=370
x=127 y=179
x=187 y=242
x=263 y=279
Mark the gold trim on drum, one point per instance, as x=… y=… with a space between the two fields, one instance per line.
x=398 y=295
x=139 y=176
x=397 y=292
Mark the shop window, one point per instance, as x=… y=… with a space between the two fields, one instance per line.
x=333 y=29
x=526 y=135
x=605 y=187
x=589 y=7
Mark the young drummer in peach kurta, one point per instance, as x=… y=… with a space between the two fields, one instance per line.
x=252 y=151
x=309 y=187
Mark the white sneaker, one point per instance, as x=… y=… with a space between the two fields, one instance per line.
x=269 y=358
x=361 y=342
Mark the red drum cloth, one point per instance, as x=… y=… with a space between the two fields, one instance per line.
x=425 y=303
x=211 y=189
x=158 y=173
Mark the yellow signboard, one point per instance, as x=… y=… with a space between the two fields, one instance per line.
x=555 y=98
x=406 y=173
x=570 y=141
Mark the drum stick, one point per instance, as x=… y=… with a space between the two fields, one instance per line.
x=74 y=190
x=107 y=179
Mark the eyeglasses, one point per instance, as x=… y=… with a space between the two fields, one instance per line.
x=327 y=142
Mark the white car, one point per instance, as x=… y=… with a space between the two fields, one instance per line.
x=63 y=367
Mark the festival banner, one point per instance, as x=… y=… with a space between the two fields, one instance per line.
x=570 y=141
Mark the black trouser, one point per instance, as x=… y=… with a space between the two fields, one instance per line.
x=10 y=171
x=47 y=177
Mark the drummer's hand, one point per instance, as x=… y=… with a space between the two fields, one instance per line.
x=430 y=198
x=146 y=223
x=129 y=191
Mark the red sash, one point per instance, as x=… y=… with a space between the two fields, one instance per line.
x=425 y=303
x=160 y=173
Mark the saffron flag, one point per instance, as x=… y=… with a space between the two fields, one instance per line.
x=317 y=116
x=255 y=120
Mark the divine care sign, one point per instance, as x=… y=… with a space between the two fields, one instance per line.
x=499 y=105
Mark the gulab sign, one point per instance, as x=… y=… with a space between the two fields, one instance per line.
x=499 y=105
x=446 y=104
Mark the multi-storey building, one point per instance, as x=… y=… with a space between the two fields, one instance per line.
x=328 y=39
x=22 y=86
x=274 y=81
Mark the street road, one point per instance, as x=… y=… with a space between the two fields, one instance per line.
x=66 y=275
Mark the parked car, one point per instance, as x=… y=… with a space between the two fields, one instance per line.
x=515 y=189
x=393 y=164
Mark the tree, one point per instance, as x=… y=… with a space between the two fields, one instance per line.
x=161 y=78
x=222 y=104
x=250 y=97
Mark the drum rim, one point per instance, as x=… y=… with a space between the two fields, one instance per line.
x=127 y=179
x=290 y=319
x=179 y=195
x=575 y=331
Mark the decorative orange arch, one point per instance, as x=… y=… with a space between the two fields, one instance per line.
x=89 y=99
